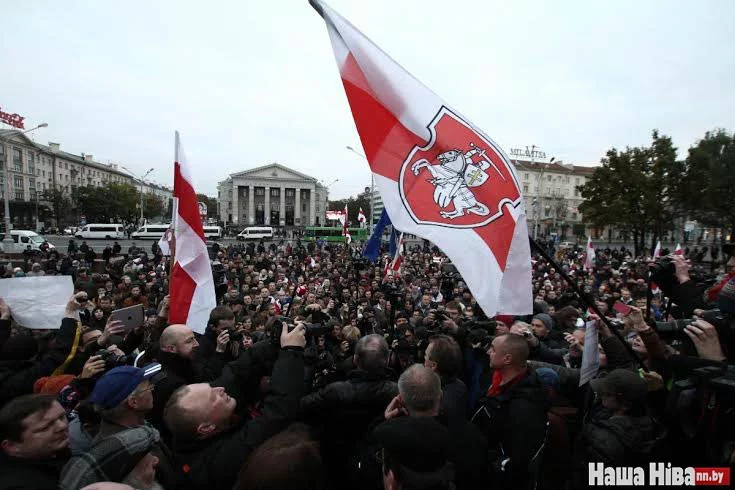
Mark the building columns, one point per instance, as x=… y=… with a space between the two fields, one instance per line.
x=312 y=206
x=235 y=209
x=251 y=205
x=282 y=209
x=267 y=211
x=297 y=208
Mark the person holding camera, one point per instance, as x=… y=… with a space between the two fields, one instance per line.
x=210 y=441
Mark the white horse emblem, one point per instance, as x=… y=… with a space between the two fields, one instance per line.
x=454 y=177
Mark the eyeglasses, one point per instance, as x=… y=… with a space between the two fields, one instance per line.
x=140 y=392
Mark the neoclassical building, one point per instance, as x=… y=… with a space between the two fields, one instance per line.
x=272 y=195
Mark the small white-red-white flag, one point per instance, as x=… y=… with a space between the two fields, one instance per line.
x=440 y=177
x=589 y=255
x=679 y=250
x=192 y=286
x=165 y=242
x=394 y=266
x=657 y=250
x=361 y=216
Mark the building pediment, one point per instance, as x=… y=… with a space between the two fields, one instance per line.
x=273 y=171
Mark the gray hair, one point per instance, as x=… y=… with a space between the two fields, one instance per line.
x=420 y=389
x=371 y=353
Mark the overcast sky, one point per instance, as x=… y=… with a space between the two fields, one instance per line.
x=248 y=83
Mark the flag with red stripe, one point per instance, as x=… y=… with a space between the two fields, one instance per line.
x=589 y=255
x=191 y=284
x=679 y=250
x=440 y=177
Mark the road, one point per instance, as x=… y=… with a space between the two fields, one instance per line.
x=62 y=241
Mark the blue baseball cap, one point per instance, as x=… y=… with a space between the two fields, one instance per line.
x=118 y=383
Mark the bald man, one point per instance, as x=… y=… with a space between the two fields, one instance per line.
x=177 y=354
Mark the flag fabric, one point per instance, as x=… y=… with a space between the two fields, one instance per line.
x=348 y=237
x=590 y=354
x=440 y=177
x=394 y=266
x=393 y=242
x=372 y=248
x=334 y=215
x=589 y=255
x=165 y=242
x=192 y=286
x=657 y=250
x=679 y=250
x=361 y=217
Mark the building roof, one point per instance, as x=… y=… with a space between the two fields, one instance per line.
x=553 y=167
x=274 y=166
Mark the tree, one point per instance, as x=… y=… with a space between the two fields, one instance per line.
x=152 y=205
x=60 y=203
x=635 y=190
x=354 y=204
x=706 y=191
x=211 y=203
x=112 y=201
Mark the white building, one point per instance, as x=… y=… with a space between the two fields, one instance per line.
x=272 y=195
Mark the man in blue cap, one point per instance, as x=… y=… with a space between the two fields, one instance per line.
x=123 y=396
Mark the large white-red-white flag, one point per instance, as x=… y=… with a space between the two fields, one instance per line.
x=192 y=286
x=440 y=177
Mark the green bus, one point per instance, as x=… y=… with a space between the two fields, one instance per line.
x=331 y=234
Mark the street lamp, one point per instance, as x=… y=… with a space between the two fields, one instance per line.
x=8 y=240
x=140 y=179
x=372 y=185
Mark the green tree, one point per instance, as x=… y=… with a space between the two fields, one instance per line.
x=59 y=203
x=152 y=205
x=706 y=190
x=635 y=191
x=112 y=201
x=354 y=204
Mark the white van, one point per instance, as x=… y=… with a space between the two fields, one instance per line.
x=212 y=232
x=101 y=230
x=255 y=233
x=153 y=232
x=23 y=238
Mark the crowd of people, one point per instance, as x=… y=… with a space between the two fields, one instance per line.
x=318 y=371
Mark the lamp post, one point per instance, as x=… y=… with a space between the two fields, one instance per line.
x=8 y=240
x=372 y=185
x=141 y=180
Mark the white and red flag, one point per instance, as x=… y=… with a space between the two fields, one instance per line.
x=679 y=250
x=657 y=250
x=589 y=255
x=440 y=177
x=361 y=217
x=192 y=286
x=394 y=266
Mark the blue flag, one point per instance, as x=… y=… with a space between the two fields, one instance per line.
x=393 y=243
x=372 y=249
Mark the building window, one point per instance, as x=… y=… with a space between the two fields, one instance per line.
x=275 y=192
x=32 y=184
x=525 y=176
x=19 y=196
x=548 y=178
x=576 y=181
x=2 y=155
x=290 y=192
x=576 y=193
x=17 y=161
x=303 y=207
x=574 y=216
x=260 y=191
x=18 y=182
x=525 y=187
x=31 y=163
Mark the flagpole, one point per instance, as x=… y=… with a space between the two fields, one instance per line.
x=174 y=210
x=585 y=298
x=316 y=6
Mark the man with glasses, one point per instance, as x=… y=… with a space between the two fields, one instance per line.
x=123 y=396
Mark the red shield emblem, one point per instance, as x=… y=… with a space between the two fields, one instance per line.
x=460 y=179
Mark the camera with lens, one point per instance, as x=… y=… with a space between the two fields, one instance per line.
x=235 y=336
x=662 y=273
x=113 y=360
x=310 y=329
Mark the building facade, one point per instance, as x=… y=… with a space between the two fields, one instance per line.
x=272 y=195
x=552 y=198
x=34 y=168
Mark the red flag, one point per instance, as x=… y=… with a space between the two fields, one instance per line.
x=440 y=177
x=361 y=216
x=679 y=250
x=192 y=286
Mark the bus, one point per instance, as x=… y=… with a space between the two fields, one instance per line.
x=153 y=232
x=331 y=234
x=212 y=232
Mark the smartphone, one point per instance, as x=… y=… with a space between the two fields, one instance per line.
x=131 y=317
x=621 y=308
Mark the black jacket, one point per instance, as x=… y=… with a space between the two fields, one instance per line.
x=17 y=377
x=27 y=474
x=215 y=463
x=454 y=400
x=514 y=423
x=347 y=410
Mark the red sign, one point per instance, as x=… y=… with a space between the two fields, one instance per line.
x=15 y=120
